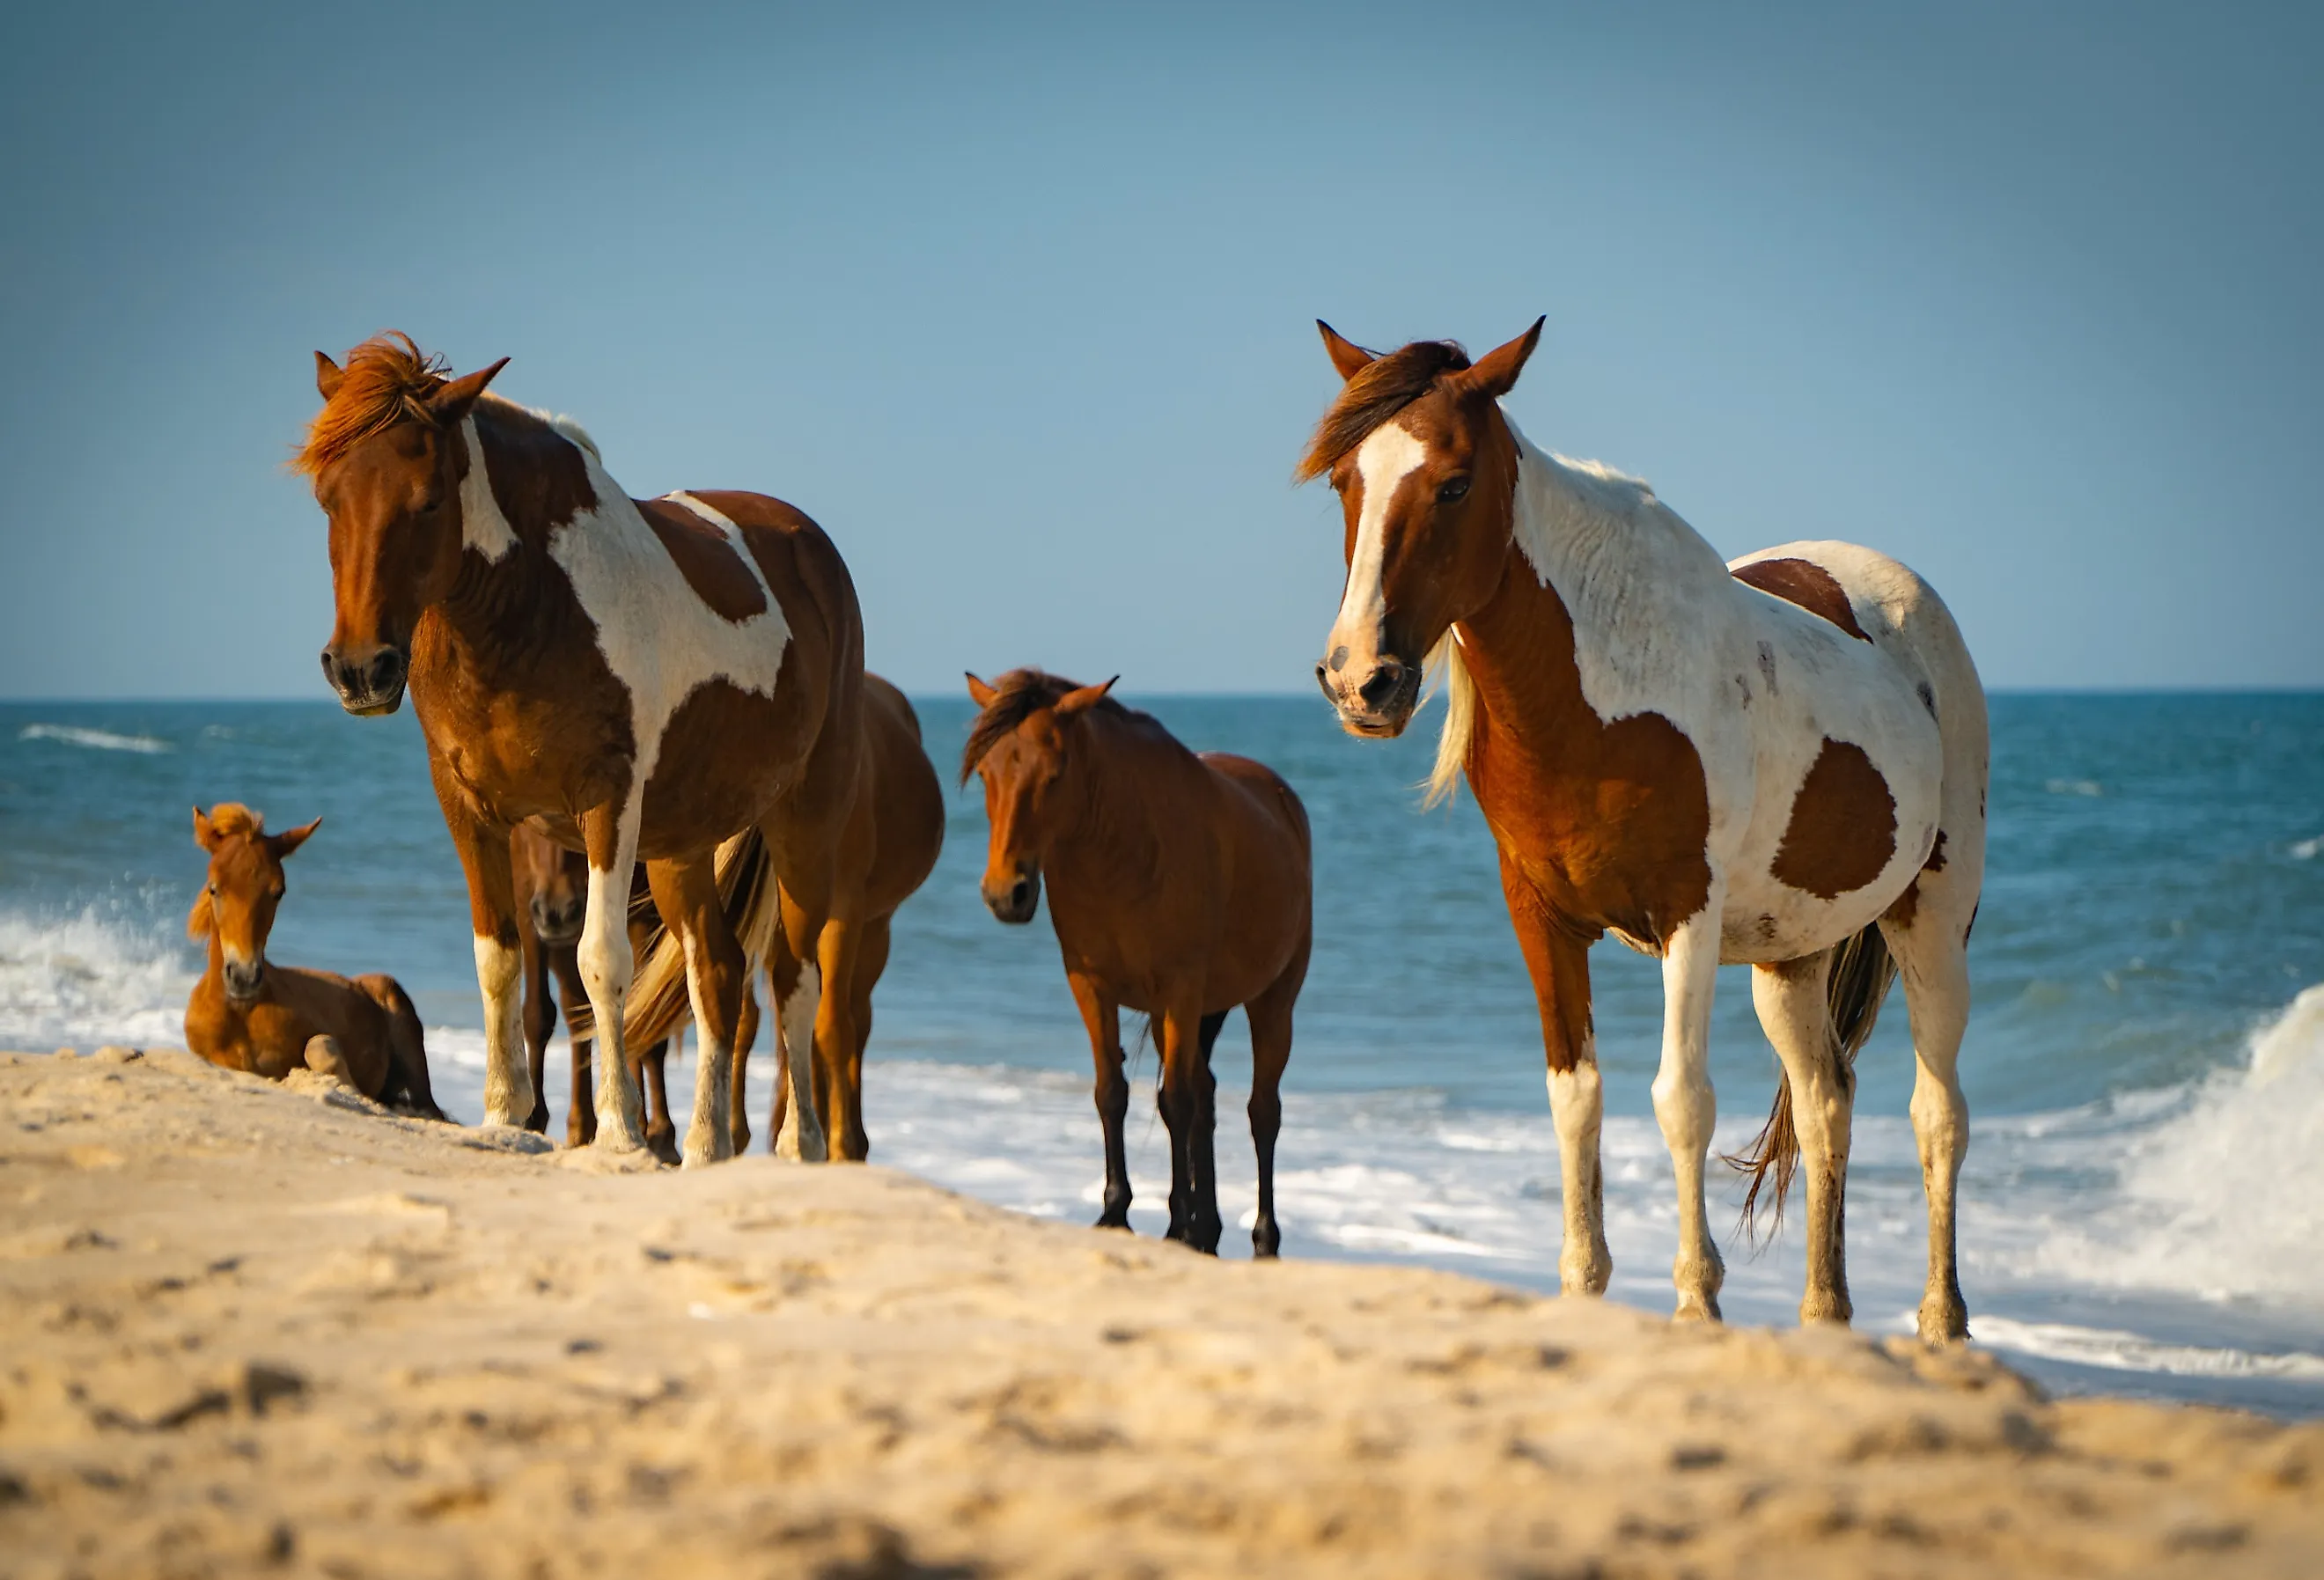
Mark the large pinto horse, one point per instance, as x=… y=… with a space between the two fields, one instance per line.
x=1179 y=885
x=1782 y=763
x=650 y=677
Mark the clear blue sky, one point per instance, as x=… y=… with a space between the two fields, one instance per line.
x=1018 y=305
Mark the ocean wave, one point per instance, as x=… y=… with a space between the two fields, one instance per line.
x=85 y=979
x=2116 y=1351
x=96 y=740
x=2224 y=1198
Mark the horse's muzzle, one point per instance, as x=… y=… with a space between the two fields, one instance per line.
x=1017 y=903
x=245 y=980
x=1379 y=706
x=369 y=680
x=559 y=924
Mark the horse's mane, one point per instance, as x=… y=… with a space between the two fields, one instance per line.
x=1022 y=694
x=1382 y=388
x=388 y=379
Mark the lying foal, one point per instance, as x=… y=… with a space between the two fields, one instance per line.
x=248 y=1014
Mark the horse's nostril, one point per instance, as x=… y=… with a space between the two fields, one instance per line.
x=1381 y=683
x=1323 y=680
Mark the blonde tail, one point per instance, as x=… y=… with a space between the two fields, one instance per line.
x=657 y=1001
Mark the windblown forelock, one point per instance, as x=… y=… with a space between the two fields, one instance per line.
x=1384 y=387
x=1021 y=694
x=388 y=379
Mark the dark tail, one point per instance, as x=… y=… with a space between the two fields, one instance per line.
x=1861 y=972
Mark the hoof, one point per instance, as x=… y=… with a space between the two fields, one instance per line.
x=1834 y=1310
x=1944 y=1320
x=612 y=1138
x=1585 y=1275
x=1691 y=1309
x=538 y=1121
x=1266 y=1239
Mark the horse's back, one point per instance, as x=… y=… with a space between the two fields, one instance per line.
x=906 y=799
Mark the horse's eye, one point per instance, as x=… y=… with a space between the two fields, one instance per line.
x=1452 y=490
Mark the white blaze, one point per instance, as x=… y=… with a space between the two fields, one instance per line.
x=1383 y=461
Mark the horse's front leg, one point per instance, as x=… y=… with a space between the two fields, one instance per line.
x=484 y=850
x=1557 y=957
x=610 y=834
x=1684 y=1103
x=686 y=892
x=1102 y=1015
x=539 y=1021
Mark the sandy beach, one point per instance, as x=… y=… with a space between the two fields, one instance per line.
x=248 y=1326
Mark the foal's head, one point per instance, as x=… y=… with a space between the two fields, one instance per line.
x=245 y=885
x=554 y=883
x=1024 y=745
x=387 y=458
x=1425 y=468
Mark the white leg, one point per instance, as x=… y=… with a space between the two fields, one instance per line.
x=708 y=1138
x=802 y=1132
x=508 y=1079
x=606 y=964
x=1684 y=1104
x=1577 y=1106
x=1935 y=969
x=1795 y=1013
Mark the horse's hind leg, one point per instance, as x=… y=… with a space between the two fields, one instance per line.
x=686 y=892
x=1190 y=1110
x=872 y=941
x=649 y=1070
x=1270 y=1051
x=835 y=1040
x=1795 y=1012
x=1930 y=942
x=406 y=1047
x=540 y=1020
x=581 y=1110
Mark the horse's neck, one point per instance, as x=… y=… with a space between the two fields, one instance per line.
x=1607 y=596
x=505 y=598
x=1113 y=838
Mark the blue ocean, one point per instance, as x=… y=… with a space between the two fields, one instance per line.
x=2142 y=1210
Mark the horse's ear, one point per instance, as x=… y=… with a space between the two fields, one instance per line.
x=1496 y=373
x=1081 y=698
x=327 y=374
x=203 y=834
x=1347 y=356
x=291 y=839
x=451 y=402
x=979 y=692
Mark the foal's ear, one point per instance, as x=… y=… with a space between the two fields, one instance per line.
x=328 y=376
x=451 y=402
x=1081 y=698
x=1496 y=373
x=203 y=834
x=979 y=692
x=291 y=839
x=1347 y=356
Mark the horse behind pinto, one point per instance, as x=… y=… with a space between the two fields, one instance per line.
x=1179 y=885
x=1781 y=762
x=247 y=1013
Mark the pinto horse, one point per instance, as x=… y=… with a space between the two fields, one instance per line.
x=247 y=1013
x=1782 y=763
x=649 y=677
x=1179 y=885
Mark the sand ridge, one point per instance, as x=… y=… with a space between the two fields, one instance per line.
x=248 y=1329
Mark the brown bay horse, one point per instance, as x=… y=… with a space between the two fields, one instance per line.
x=1179 y=885
x=893 y=836
x=649 y=677
x=248 y=1014
x=1780 y=761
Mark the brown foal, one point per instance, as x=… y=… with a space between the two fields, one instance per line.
x=247 y=1013
x=1179 y=886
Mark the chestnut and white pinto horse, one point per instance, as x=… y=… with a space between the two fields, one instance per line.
x=1782 y=763
x=648 y=678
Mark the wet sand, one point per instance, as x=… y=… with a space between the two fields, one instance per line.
x=248 y=1329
